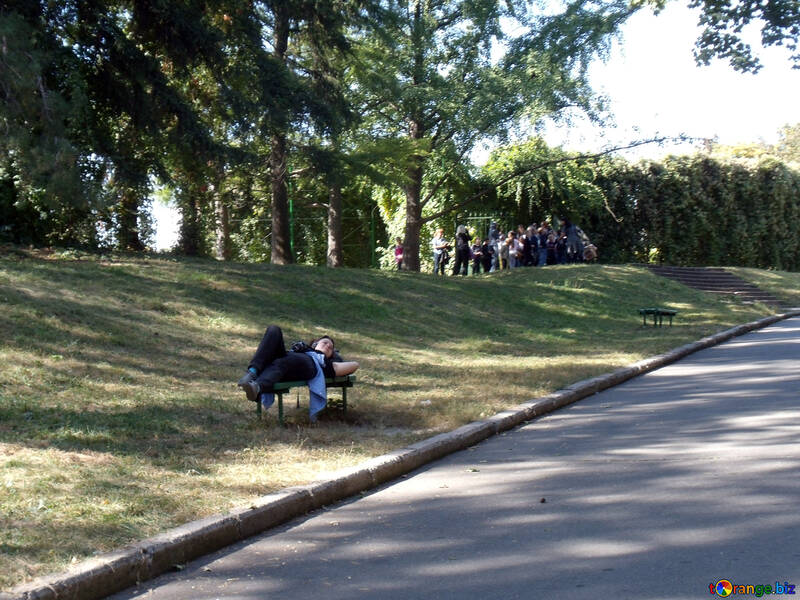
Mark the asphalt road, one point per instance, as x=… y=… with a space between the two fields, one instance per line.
x=653 y=489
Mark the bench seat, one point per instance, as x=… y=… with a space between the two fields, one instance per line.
x=343 y=382
x=658 y=315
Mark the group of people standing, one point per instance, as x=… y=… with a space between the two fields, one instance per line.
x=535 y=245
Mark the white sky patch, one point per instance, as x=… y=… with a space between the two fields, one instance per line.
x=655 y=88
x=167 y=223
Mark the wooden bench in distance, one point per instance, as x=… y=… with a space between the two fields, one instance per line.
x=343 y=382
x=658 y=315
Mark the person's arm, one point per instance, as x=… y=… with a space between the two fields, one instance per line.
x=345 y=368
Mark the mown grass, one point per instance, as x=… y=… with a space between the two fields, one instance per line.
x=119 y=414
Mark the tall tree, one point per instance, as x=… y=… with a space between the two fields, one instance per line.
x=299 y=34
x=449 y=76
x=132 y=53
x=42 y=110
x=126 y=72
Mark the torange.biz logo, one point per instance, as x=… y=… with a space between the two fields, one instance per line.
x=725 y=588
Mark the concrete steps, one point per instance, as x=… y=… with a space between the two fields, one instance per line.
x=716 y=281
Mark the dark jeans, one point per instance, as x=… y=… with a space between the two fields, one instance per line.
x=274 y=364
x=438 y=264
x=462 y=261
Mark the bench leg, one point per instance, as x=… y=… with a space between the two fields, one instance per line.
x=344 y=400
x=280 y=407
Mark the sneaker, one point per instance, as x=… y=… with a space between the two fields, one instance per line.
x=251 y=390
x=248 y=376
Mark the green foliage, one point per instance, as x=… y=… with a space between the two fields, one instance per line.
x=688 y=210
x=723 y=21
x=554 y=183
x=41 y=113
x=788 y=146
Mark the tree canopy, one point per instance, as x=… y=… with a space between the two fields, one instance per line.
x=283 y=129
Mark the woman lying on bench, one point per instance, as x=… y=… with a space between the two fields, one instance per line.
x=312 y=363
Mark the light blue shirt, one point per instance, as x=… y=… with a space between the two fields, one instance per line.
x=317 y=390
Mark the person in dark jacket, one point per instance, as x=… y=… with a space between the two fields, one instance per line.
x=533 y=246
x=494 y=241
x=574 y=243
x=551 y=248
x=544 y=233
x=487 y=255
x=476 y=255
x=561 y=248
x=462 y=250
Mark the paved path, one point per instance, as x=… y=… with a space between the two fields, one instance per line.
x=653 y=489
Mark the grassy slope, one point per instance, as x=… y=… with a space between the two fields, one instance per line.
x=119 y=415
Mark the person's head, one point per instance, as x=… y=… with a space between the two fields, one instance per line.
x=324 y=345
x=461 y=229
x=439 y=232
x=399 y=241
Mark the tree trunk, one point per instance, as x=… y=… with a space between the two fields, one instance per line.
x=223 y=245
x=335 y=226
x=413 y=191
x=190 y=224
x=413 y=220
x=223 y=248
x=128 y=238
x=281 y=243
x=416 y=131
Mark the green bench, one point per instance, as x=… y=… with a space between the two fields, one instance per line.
x=658 y=315
x=343 y=382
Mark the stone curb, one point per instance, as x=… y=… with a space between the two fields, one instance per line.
x=115 y=571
